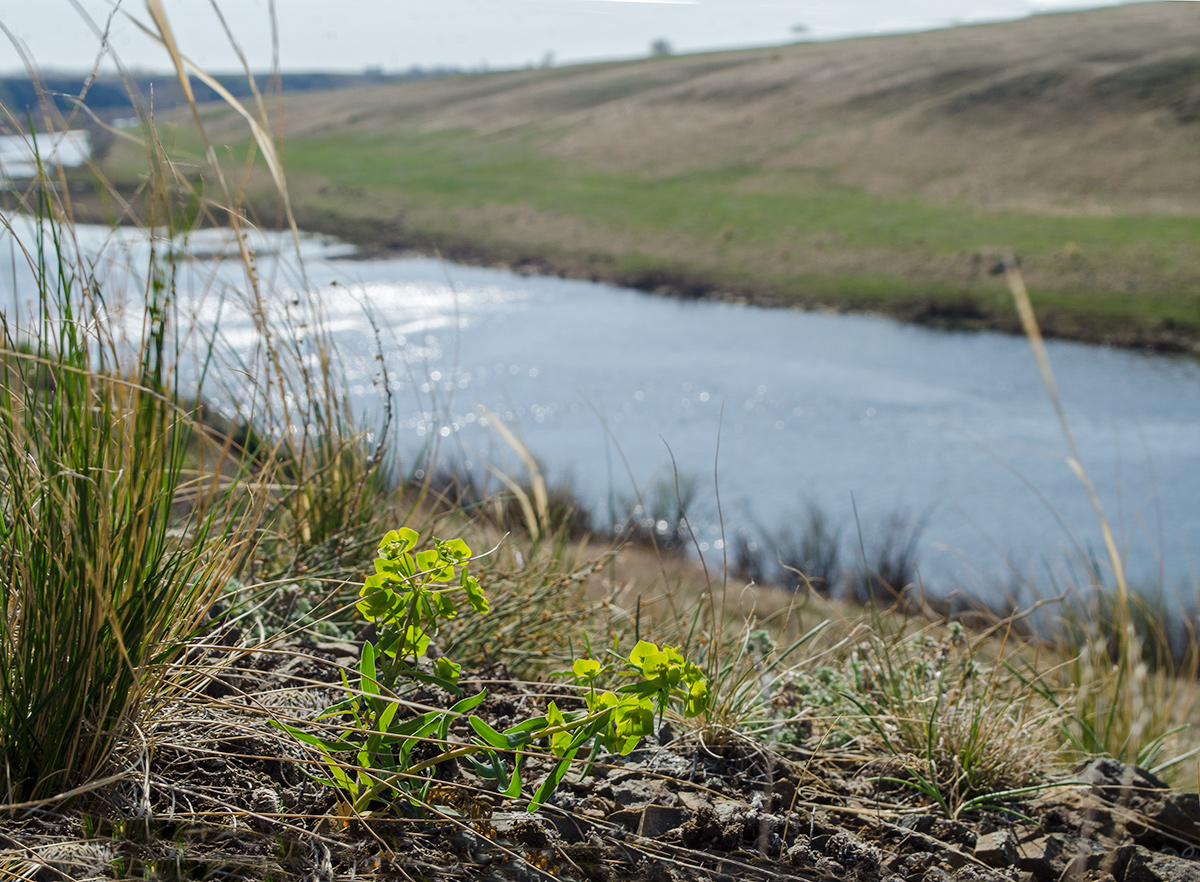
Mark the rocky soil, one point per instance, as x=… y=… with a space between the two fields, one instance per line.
x=214 y=791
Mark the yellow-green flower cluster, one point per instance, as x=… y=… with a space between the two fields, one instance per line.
x=411 y=590
x=664 y=675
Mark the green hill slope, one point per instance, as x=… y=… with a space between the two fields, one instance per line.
x=885 y=173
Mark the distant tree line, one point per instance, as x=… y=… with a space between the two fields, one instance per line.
x=109 y=96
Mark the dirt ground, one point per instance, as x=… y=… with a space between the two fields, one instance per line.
x=212 y=791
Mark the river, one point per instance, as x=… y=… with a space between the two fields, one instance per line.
x=865 y=417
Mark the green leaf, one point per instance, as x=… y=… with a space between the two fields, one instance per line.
x=696 y=700
x=341 y=778
x=346 y=705
x=599 y=702
x=377 y=601
x=389 y=642
x=513 y=790
x=415 y=642
x=493 y=770
x=441 y=682
x=644 y=652
x=328 y=745
x=585 y=669
x=645 y=687
x=530 y=725
x=475 y=596
x=455 y=550
x=582 y=736
x=487 y=733
x=447 y=669
x=460 y=708
x=369 y=682
x=522 y=734
x=417 y=727
x=395 y=542
x=425 y=609
x=632 y=720
x=560 y=741
x=486 y=771
x=366 y=669
x=389 y=714
x=432 y=565
x=366 y=756
x=444 y=606
x=469 y=704
x=550 y=784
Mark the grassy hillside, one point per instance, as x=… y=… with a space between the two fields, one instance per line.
x=886 y=173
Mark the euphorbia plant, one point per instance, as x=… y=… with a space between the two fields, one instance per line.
x=407 y=597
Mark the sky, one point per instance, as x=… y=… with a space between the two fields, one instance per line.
x=395 y=35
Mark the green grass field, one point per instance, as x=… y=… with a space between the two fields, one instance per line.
x=778 y=237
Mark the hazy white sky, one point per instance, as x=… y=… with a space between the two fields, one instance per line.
x=350 y=35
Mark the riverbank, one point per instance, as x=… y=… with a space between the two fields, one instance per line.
x=1111 y=320
x=1152 y=323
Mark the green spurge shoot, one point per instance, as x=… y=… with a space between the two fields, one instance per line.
x=407 y=597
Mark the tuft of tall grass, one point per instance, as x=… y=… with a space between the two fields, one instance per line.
x=120 y=521
x=965 y=731
x=100 y=582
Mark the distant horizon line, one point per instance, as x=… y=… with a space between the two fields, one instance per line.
x=477 y=68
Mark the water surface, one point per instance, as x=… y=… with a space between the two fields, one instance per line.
x=614 y=390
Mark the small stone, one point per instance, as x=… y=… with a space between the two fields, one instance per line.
x=997 y=849
x=660 y=819
x=1174 y=817
x=338 y=648
x=917 y=823
x=695 y=802
x=630 y=819
x=726 y=809
x=1118 y=782
x=1146 y=866
x=1042 y=857
x=634 y=794
x=1048 y=858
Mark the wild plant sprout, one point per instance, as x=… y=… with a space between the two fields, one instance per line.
x=407 y=598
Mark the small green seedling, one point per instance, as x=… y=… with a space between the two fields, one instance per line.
x=410 y=593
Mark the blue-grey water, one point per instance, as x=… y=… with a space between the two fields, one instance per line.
x=611 y=388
